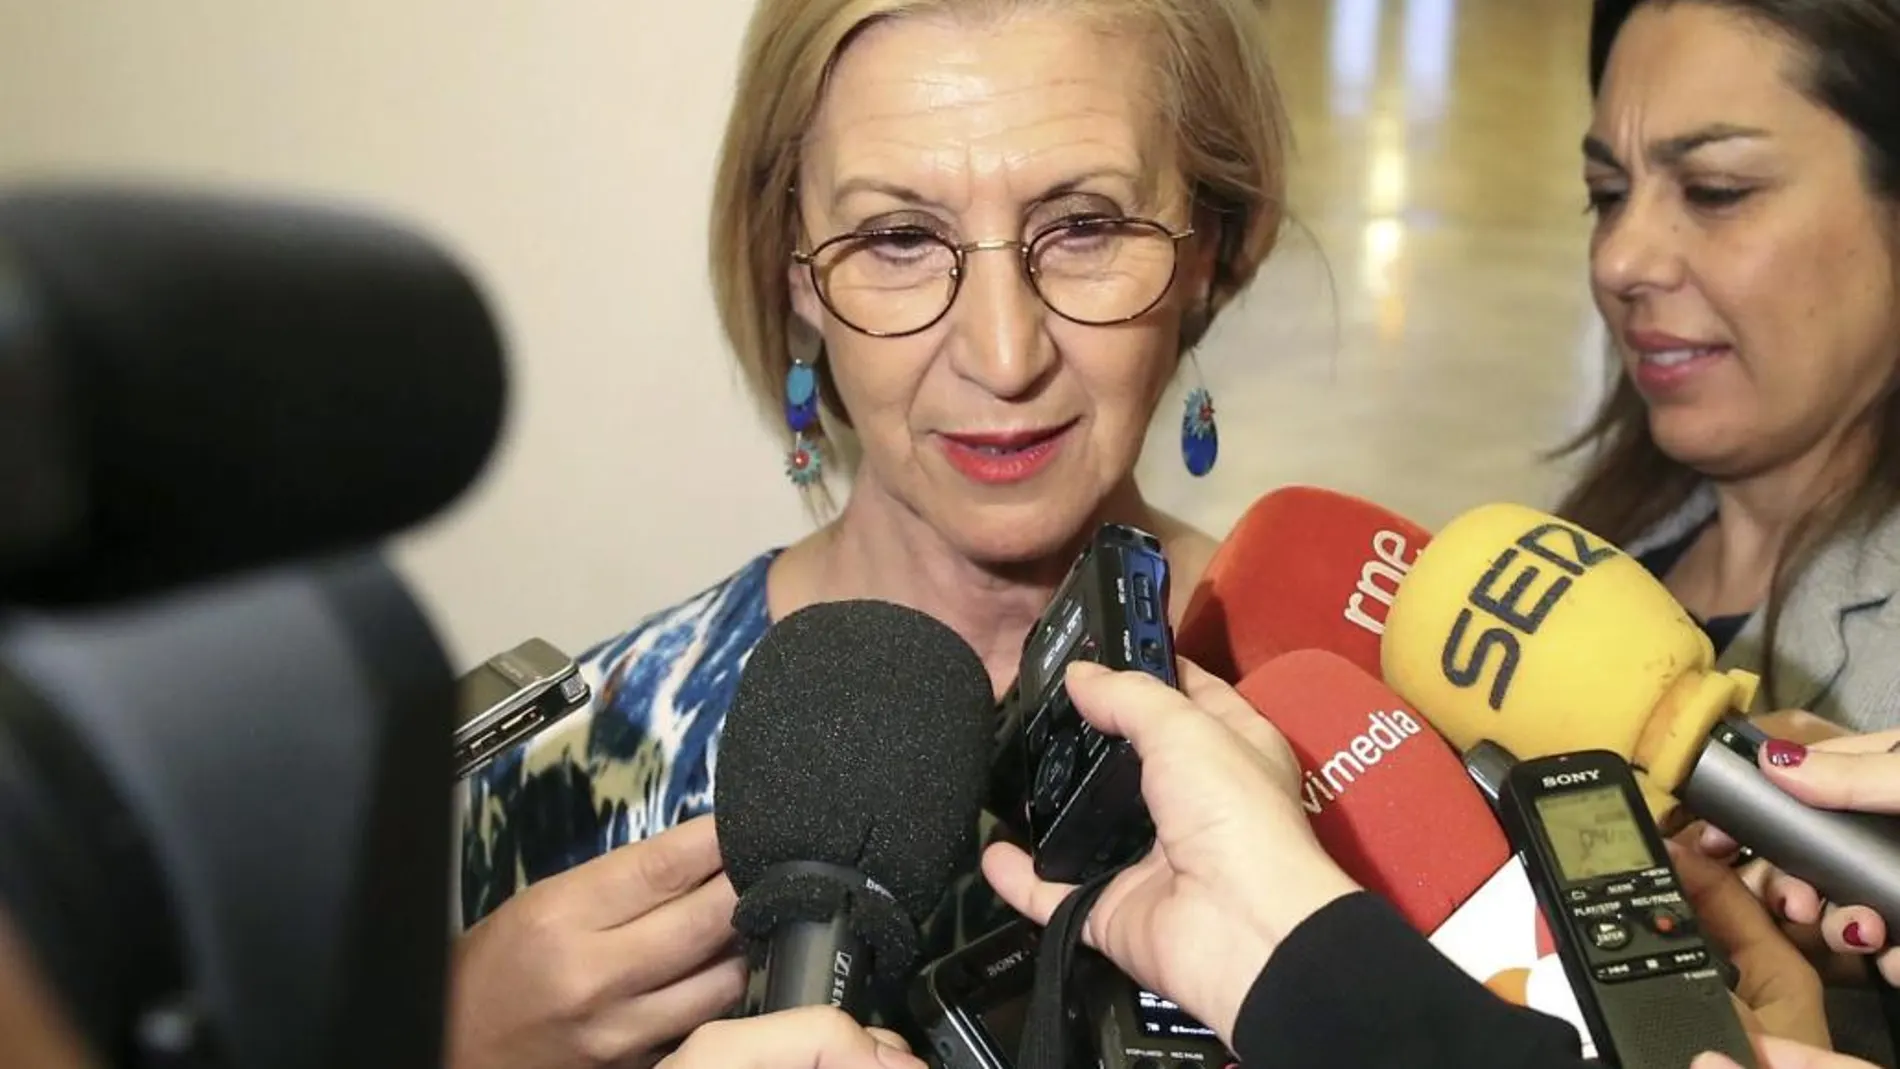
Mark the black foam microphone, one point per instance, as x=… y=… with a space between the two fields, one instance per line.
x=851 y=775
x=143 y=332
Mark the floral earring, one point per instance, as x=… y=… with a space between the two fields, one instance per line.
x=803 y=465
x=1200 y=439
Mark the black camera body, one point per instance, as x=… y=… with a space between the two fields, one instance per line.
x=1073 y=792
x=223 y=717
x=972 y=1005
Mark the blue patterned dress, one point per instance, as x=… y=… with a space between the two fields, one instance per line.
x=637 y=761
x=641 y=758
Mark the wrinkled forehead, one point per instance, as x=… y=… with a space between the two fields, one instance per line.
x=1675 y=67
x=955 y=109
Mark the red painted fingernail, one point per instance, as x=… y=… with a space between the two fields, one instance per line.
x=1854 y=939
x=1785 y=754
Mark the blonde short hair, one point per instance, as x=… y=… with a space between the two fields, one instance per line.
x=1216 y=89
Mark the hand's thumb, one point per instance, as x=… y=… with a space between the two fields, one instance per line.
x=1858 y=782
x=891 y=1049
x=819 y=1037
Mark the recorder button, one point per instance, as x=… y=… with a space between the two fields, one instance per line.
x=1055 y=774
x=1666 y=922
x=1610 y=935
x=1145 y=609
x=1145 y=1063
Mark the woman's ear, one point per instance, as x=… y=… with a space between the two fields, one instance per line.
x=1209 y=243
x=1199 y=265
x=805 y=303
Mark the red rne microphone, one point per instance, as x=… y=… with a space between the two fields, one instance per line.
x=1393 y=805
x=1387 y=798
x=1304 y=568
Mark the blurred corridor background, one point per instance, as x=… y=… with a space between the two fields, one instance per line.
x=1423 y=336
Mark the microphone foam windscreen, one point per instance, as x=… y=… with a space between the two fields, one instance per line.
x=1389 y=801
x=859 y=737
x=1305 y=568
x=1521 y=628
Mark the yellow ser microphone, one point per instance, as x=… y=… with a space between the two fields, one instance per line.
x=1531 y=632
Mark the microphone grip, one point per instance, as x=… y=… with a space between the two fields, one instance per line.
x=1851 y=858
x=816 y=963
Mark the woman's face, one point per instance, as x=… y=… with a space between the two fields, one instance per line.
x=1743 y=264
x=1003 y=426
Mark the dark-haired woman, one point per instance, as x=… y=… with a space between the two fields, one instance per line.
x=1744 y=168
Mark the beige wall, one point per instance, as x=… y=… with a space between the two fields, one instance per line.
x=566 y=146
x=563 y=147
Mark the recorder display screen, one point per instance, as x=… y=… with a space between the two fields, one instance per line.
x=1593 y=833
x=1159 y=1017
x=1156 y=1016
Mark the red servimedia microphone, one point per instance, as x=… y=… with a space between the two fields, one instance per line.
x=1386 y=796
x=1304 y=568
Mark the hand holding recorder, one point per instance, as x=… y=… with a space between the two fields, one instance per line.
x=1235 y=867
x=1237 y=872
x=1786 y=1054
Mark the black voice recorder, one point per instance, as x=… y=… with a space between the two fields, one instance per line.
x=1650 y=988
x=972 y=1005
x=1072 y=791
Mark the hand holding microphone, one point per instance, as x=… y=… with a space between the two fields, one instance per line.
x=1235 y=867
x=811 y=1037
x=604 y=963
x=1520 y=628
x=1859 y=773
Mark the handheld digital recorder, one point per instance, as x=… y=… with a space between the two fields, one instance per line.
x=1073 y=791
x=1649 y=986
x=972 y=1005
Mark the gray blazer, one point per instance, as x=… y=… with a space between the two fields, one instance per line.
x=1837 y=656
x=1838 y=647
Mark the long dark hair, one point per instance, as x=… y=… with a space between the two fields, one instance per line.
x=1851 y=50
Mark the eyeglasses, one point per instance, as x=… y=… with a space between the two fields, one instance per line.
x=1097 y=270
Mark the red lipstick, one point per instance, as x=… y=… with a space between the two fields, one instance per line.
x=997 y=458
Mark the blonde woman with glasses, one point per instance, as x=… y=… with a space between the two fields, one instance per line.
x=960 y=249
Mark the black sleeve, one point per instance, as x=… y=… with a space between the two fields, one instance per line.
x=1355 y=985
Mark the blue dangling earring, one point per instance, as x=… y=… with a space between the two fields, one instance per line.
x=803 y=465
x=1200 y=439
